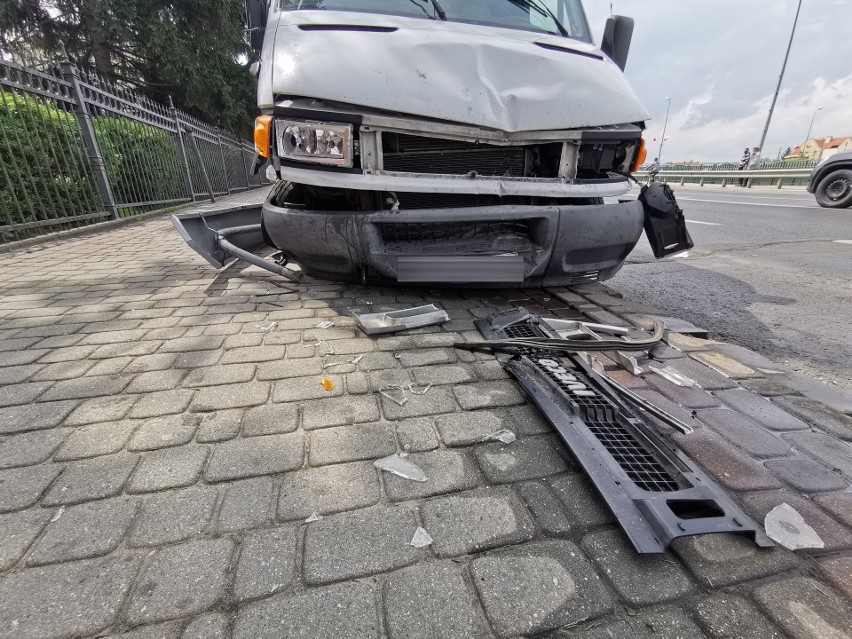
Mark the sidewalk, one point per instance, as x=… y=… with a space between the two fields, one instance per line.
x=164 y=435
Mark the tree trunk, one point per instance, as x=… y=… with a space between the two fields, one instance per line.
x=96 y=32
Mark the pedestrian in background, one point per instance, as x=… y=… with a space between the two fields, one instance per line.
x=755 y=158
x=653 y=170
x=744 y=164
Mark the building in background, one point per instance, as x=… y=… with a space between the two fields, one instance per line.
x=817 y=149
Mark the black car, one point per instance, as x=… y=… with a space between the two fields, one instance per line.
x=831 y=181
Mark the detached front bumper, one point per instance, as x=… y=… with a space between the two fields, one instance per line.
x=490 y=246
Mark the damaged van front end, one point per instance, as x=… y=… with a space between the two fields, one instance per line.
x=472 y=143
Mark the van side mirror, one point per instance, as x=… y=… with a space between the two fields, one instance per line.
x=256 y=13
x=617 y=36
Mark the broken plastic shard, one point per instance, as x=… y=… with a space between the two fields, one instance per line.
x=400 y=467
x=267 y=328
x=421 y=538
x=58 y=514
x=325 y=324
x=419 y=390
x=332 y=364
x=787 y=527
x=357 y=359
x=506 y=436
x=326 y=348
x=327 y=384
x=394 y=393
x=315 y=516
x=673 y=376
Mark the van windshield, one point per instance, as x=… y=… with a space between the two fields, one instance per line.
x=557 y=17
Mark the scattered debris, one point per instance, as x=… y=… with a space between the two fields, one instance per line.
x=325 y=324
x=325 y=348
x=786 y=526
x=356 y=360
x=58 y=514
x=674 y=376
x=393 y=321
x=315 y=516
x=419 y=391
x=506 y=436
x=267 y=328
x=401 y=467
x=327 y=384
x=333 y=364
x=421 y=538
x=396 y=394
x=397 y=356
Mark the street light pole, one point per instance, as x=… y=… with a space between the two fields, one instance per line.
x=665 y=126
x=810 y=126
x=780 y=78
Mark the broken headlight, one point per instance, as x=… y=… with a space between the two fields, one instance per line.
x=314 y=142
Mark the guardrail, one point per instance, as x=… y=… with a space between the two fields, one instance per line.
x=755 y=177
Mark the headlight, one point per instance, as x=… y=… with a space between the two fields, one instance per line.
x=314 y=142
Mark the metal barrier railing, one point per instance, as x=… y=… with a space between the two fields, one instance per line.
x=748 y=178
x=75 y=149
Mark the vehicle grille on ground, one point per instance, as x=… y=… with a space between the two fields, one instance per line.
x=416 y=154
x=393 y=232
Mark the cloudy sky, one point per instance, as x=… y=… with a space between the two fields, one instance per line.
x=719 y=60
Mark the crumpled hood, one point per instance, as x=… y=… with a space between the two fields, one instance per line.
x=469 y=74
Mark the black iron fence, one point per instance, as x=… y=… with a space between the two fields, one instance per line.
x=76 y=149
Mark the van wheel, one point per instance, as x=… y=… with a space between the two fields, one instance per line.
x=835 y=190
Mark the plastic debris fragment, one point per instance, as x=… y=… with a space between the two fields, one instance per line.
x=396 y=394
x=788 y=528
x=325 y=324
x=327 y=384
x=315 y=516
x=267 y=328
x=401 y=467
x=674 y=377
x=421 y=538
x=506 y=436
x=419 y=390
x=58 y=514
x=357 y=359
x=333 y=364
x=326 y=348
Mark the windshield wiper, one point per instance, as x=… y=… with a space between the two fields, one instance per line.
x=542 y=10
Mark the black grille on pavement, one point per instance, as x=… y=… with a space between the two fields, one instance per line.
x=416 y=154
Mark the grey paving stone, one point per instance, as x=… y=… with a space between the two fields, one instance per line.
x=156 y=631
x=22 y=487
x=211 y=625
x=526 y=458
x=760 y=410
x=488 y=395
x=161 y=432
x=723 y=559
x=189 y=344
x=837 y=571
x=212 y=398
x=744 y=433
x=151 y=363
x=170 y=468
x=538 y=587
x=197 y=359
x=59 y=371
x=464 y=429
x=181 y=581
x=818 y=414
x=101 y=409
x=254 y=456
x=416 y=435
x=664 y=623
x=76 y=598
x=17 y=374
x=327 y=490
x=547 y=510
x=299 y=389
x=357 y=544
x=154 y=381
x=251 y=354
x=581 y=501
x=448 y=471
x=19 y=358
x=247 y=504
x=168 y=402
x=490 y=370
x=690 y=397
x=436 y=401
x=85 y=387
x=219 y=426
x=91 y=479
x=436 y=375
x=223 y=374
x=427 y=357
x=31 y=448
x=173 y=516
x=378 y=361
x=19 y=419
x=338 y=411
x=95 y=440
x=640 y=580
x=270 y=419
x=529 y=420
x=806 y=475
x=824 y=448
x=352 y=443
x=267 y=563
x=475 y=521
x=26 y=393
x=838 y=504
x=357 y=383
x=19 y=530
x=804 y=608
x=727 y=616
x=705 y=376
x=433 y=601
x=84 y=531
x=342 y=610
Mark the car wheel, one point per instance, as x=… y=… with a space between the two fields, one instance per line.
x=835 y=190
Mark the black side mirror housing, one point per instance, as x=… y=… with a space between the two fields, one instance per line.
x=256 y=14
x=617 y=36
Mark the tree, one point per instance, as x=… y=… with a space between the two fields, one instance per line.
x=193 y=50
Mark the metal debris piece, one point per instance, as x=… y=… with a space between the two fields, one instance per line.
x=786 y=526
x=650 y=408
x=267 y=328
x=419 y=391
x=396 y=394
x=393 y=321
x=325 y=324
x=327 y=384
x=506 y=436
x=400 y=467
x=315 y=516
x=673 y=376
x=421 y=538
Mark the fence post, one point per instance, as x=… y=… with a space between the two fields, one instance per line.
x=201 y=164
x=224 y=164
x=184 y=162
x=246 y=167
x=93 y=150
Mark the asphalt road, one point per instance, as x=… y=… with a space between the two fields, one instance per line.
x=770 y=270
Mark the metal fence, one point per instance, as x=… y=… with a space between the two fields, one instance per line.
x=768 y=173
x=76 y=149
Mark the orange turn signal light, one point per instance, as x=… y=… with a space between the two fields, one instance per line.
x=641 y=155
x=263 y=135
